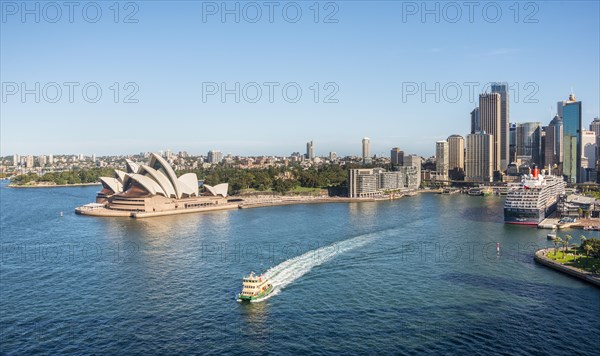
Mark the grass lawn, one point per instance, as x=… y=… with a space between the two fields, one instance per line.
x=305 y=190
x=568 y=259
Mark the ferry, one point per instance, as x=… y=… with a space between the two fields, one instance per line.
x=447 y=191
x=481 y=191
x=254 y=287
x=531 y=201
x=475 y=192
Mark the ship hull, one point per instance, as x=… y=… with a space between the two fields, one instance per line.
x=527 y=216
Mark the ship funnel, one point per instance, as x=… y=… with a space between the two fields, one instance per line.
x=536 y=172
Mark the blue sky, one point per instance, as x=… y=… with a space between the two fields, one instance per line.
x=371 y=57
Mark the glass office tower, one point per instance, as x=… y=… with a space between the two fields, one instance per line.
x=572 y=140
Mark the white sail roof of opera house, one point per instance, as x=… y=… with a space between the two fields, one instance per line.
x=158 y=178
x=150 y=185
x=111 y=183
x=220 y=189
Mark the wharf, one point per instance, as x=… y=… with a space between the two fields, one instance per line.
x=553 y=223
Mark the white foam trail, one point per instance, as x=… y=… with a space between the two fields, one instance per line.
x=288 y=271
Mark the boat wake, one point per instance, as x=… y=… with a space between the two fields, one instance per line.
x=290 y=270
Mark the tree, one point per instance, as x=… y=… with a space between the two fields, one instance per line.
x=587 y=248
x=566 y=243
x=557 y=241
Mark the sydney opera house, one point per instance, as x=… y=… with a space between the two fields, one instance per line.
x=150 y=188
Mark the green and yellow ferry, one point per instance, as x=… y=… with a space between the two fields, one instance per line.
x=254 y=287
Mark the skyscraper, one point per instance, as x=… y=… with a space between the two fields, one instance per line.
x=595 y=126
x=441 y=159
x=490 y=120
x=397 y=156
x=479 y=160
x=502 y=89
x=512 y=142
x=572 y=140
x=456 y=149
x=310 y=150
x=588 y=171
x=559 y=108
x=366 y=150
x=553 y=149
x=475 y=123
x=529 y=142
x=588 y=149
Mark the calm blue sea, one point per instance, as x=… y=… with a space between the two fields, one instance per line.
x=420 y=275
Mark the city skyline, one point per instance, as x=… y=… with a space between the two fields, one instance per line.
x=170 y=83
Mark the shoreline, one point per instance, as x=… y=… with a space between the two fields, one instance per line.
x=540 y=257
x=250 y=204
x=52 y=185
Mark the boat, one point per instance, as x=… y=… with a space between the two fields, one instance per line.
x=254 y=287
x=552 y=235
x=475 y=192
x=534 y=199
x=447 y=191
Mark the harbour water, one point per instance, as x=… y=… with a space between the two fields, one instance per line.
x=415 y=275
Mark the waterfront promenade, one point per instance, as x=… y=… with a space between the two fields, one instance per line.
x=260 y=201
x=541 y=257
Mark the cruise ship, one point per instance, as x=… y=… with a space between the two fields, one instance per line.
x=532 y=200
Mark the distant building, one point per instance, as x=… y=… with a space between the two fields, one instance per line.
x=479 y=160
x=502 y=89
x=559 y=108
x=50 y=159
x=29 y=162
x=512 y=142
x=42 y=160
x=595 y=126
x=310 y=150
x=475 y=123
x=529 y=142
x=214 y=156
x=441 y=159
x=456 y=157
x=588 y=158
x=332 y=156
x=490 y=122
x=370 y=182
x=397 y=156
x=572 y=140
x=553 y=148
x=456 y=149
x=588 y=147
x=366 y=150
x=16 y=160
